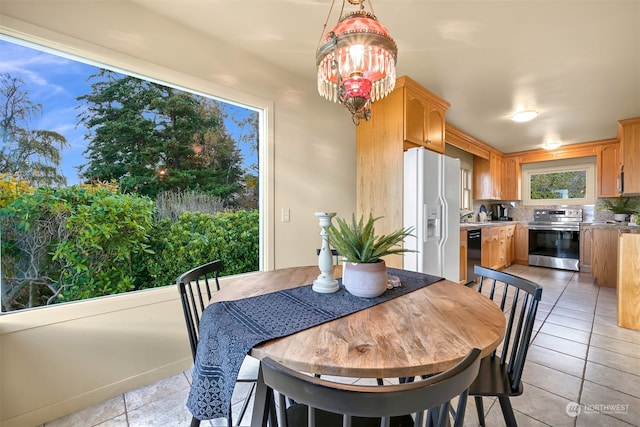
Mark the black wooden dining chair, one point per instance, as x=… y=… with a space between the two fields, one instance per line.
x=321 y=402
x=500 y=373
x=195 y=287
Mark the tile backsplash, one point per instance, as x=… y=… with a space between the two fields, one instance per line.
x=525 y=213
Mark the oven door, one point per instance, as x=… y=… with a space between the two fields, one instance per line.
x=554 y=246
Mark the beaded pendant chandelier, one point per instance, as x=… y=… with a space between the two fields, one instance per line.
x=356 y=61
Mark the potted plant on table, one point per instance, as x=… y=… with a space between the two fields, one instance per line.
x=364 y=271
x=619 y=206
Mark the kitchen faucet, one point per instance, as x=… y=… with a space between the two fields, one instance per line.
x=465 y=216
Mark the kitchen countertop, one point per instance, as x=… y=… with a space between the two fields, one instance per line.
x=623 y=227
x=467 y=225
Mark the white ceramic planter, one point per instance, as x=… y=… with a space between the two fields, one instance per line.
x=620 y=217
x=365 y=280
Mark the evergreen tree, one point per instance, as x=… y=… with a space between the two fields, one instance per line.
x=152 y=138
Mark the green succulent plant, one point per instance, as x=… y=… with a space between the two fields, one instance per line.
x=620 y=205
x=358 y=243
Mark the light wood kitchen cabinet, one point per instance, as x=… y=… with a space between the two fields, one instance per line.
x=511 y=178
x=466 y=142
x=498 y=246
x=490 y=247
x=424 y=116
x=380 y=145
x=608 y=165
x=604 y=256
x=464 y=249
x=487 y=177
x=628 y=291
x=521 y=244
x=629 y=136
x=585 y=248
x=502 y=248
x=509 y=245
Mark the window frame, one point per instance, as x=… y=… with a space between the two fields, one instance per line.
x=587 y=164
x=189 y=83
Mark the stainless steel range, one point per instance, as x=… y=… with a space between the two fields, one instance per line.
x=554 y=238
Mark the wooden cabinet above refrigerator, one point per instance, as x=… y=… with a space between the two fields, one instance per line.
x=424 y=116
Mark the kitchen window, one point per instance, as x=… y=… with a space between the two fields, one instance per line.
x=559 y=182
x=465 y=189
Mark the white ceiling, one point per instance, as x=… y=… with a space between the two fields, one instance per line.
x=576 y=62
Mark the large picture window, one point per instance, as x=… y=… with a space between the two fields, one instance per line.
x=112 y=182
x=559 y=182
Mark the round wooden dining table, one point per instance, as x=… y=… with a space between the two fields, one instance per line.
x=422 y=332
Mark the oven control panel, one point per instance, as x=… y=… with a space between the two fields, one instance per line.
x=557 y=215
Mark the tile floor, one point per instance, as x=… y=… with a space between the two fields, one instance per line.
x=578 y=355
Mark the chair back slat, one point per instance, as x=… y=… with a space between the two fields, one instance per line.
x=524 y=348
x=509 y=332
x=503 y=300
x=518 y=333
x=189 y=318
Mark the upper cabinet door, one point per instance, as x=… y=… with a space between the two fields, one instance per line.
x=487 y=177
x=608 y=165
x=629 y=135
x=424 y=121
x=511 y=178
x=435 y=129
x=414 y=120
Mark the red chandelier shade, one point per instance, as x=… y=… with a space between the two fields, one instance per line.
x=357 y=63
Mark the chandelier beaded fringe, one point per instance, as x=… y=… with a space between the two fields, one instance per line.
x=356 y=62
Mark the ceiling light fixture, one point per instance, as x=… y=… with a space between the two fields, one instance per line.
x=524 y=116
x=550 y=144
x=356 y=61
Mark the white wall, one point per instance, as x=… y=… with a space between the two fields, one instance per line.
x=52 y=367
x=57 y=360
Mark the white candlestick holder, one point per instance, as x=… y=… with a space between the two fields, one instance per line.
x=325 y=283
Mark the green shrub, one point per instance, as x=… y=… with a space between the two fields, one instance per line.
x=197 y=238
x=108 y=237
x=64 y=244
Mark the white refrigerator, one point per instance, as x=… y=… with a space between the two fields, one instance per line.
x=432 y=208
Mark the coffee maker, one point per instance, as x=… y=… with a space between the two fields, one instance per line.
x=500 y=212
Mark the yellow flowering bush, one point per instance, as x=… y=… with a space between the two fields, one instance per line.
x=11 y=187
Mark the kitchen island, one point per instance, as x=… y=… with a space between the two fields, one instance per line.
x=604 y=250
x=628 y=291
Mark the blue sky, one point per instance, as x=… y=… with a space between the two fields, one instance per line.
x=55 y=82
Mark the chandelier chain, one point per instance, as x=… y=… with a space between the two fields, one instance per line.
x=373 y=12
x=324 y=27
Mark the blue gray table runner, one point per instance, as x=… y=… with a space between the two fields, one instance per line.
x=230 y=329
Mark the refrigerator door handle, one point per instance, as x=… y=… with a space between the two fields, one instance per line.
x=442 y=213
